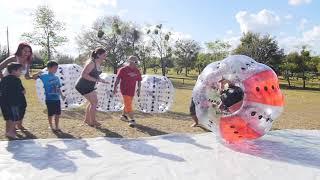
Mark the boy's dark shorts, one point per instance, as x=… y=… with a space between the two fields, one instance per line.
x=192 y=108
x=13 y=113
x=54 y=107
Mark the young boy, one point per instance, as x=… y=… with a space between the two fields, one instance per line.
x=12 y=99
x=51 y=84
x=129 y=75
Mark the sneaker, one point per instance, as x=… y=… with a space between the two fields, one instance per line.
x=124 y=118
x=132 y=123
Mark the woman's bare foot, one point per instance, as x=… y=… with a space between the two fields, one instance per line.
x=194 y=125
x=20 y=128
x=89 y=123
x=97 y=124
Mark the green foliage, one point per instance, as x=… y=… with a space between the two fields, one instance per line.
x=143 y=52
x=3 y=53
x=186 y=54
x=303 y=65
x=263 y=49
x=160 y=41
x=64 y=59
x=119 y=38
x=218 y=49
x=46 y=31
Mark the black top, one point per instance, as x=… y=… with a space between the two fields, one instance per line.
x=84 y=83
x=94 y=72
x=232 y=95
x=11 y=92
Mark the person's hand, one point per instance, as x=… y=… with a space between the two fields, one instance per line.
x=36 y=76
x=103 y=81
x=115 y=91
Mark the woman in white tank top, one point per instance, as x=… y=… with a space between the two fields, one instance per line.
x=22 y=56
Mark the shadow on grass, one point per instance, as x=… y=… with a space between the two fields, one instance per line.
x=176 y=116
x=63 y=135
x=109 y=133
x=148 y=130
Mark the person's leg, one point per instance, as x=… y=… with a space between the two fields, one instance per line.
x=20 y=126
x=93 y=100
x=195 y=119
x=50 y=122
x=193 y=113
x=11 y=129
x=7 y=126
x=50 y=109
x=87 y=115
x=128 y=109
x=56 y=121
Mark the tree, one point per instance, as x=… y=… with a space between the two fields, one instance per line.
x=3 y=53
x=143 y=52
x=46 y=31
x=37 y=61
x=186 y=53
x=82 y=58
x=288 y=66
x=218 y=49
x=263 y=49
x=203 y=59
x=64 y=59
x=301 y=63
x=116 y=36
x=160 y=41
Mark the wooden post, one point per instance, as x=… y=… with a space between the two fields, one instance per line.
x=8 y=53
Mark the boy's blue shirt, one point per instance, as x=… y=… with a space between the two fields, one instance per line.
x=51 y=84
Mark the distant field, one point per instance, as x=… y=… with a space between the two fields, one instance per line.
x=302 y=111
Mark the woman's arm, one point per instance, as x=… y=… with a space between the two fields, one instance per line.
x=27 y=75
x=85 y=73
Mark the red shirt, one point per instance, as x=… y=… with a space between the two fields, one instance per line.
x=129 y=77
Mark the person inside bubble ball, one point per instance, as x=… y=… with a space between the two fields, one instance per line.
x=231 y=96
x=193 y=114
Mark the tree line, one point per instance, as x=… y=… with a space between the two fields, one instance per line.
x=158 y=48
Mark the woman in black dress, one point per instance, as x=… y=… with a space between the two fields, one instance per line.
x=86 y=84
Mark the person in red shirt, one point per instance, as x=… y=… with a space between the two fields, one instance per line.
x=128 y=76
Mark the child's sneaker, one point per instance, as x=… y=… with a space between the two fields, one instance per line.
x=132 y=123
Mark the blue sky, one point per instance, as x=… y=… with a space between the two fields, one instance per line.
x=292 y=22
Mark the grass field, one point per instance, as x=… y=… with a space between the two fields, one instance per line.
x=302 y=111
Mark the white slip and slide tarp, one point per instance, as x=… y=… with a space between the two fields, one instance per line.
x=283 y=154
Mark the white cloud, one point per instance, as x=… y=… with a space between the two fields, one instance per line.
x=288 y=16
x=298 y=2
x=229 y=32
x=121 y=13
x=302 y=24
x=313 y=34
x=294 y=43
x=263 y=21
